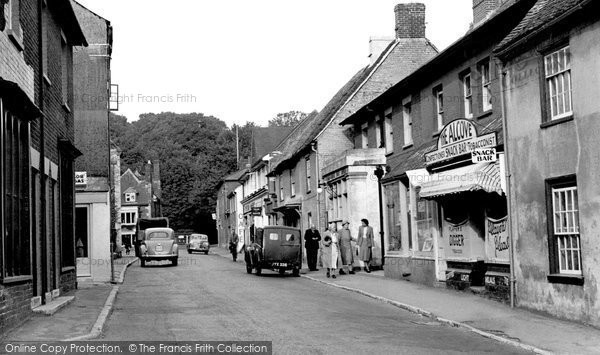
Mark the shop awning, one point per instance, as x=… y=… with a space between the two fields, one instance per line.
x=475 y=177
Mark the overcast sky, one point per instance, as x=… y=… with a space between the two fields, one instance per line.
x=242 y=60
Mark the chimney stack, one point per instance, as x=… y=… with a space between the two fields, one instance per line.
x=410 y=20
x=148 y=171
x=482 y=8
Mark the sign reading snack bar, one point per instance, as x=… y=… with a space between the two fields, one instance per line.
x=459 y=137
x=496 y=240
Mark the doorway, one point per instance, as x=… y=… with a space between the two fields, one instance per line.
x=82 y=240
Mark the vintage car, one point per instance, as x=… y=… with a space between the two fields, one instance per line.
x=145 y=223
x=158 y=244
x=198 y=242
x=275 y=248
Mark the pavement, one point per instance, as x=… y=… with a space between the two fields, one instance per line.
x=76 y=320
x=519 y=327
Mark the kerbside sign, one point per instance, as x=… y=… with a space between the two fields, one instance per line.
x=459 y=137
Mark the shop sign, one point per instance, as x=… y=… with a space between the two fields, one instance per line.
x=497 y=242
x=256 y=211
x=81 y=178
x=459 y=137
x=486 y=155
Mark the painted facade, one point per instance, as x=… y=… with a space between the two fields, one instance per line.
x=554 y=160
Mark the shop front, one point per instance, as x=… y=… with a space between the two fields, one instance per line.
x=466 y=183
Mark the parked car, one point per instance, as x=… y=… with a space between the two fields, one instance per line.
x=158 y=244
x=182 y=239
x=198 y=242
x=145 y=223
x=276 y=248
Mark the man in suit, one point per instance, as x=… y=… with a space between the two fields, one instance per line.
x=365 y=243
x=311 y=243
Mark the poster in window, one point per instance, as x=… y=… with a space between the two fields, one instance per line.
x=497 y=240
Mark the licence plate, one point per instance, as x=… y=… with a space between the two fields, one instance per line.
x=280 y=264
x=159 y=248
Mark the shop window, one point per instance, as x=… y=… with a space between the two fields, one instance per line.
x=455 y=211
x=563 y=219
x=392 y=196
x=15 y=259
x=557 y=68
x=427 y=223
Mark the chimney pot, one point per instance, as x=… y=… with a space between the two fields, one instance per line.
x=410 y=20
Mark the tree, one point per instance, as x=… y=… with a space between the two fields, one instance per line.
x=287 y=119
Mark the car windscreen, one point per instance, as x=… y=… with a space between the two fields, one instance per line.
x=158 y=235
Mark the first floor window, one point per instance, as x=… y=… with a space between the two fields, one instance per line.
x=439 y=107
x=15 y=259
x=407 y=118
x=364 y=136
x=486 y=86
x=467 y=95
x=558 y=83
x=292 y=183
x=308 y=175
x=128 y=218
x=564 y=226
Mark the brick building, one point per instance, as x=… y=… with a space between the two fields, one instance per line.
x=229 y=206
x=312 y=174
x=551 y=82
x=93 y=209
x=444 y=215
x=37 y=258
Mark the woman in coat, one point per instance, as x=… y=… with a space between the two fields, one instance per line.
x=365 y=243
x=330 y=250
x=346 y=249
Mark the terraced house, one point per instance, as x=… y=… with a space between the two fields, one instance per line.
x=37 y=249
x=444 y=208
x=320 y=178
x=551 y=83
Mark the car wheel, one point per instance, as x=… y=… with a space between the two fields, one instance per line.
x=174 y=261
x=296 y=272
x=249 y=268
x=206 y=252
x=281 y=271
x=258 y=271
x=189 y=251
x=142 y=263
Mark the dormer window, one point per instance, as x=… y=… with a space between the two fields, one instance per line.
x=130 y=196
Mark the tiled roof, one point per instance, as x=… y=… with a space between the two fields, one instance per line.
x=543 y=12
x=235 y=176
x=265 y=139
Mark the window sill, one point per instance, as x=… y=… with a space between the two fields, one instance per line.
x=16 y=38
x=16 y=279
x=47 y=80
x=555 y=122
x=407 y=146
x=485 y=114
x=66 y=107
x=566 y=279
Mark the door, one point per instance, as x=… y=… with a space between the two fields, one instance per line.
x=82 y=241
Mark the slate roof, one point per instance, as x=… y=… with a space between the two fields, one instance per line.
x=542 y=13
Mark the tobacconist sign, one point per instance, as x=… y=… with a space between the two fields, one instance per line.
x=459 y=137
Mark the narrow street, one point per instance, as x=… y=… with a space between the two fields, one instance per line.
x=210 y=297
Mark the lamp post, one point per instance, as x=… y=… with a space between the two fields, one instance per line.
x=379 y=172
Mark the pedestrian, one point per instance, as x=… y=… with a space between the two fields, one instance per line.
x=346 y=249
x=330 y=250
x=365 y=243
x=233 y=244
x=312 y=237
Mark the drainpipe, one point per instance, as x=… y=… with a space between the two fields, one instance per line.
x=379 y=173
x=314 y=149
x=42 y=211
x=508 y=184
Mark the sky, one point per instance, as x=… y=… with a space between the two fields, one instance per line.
x=242 y=60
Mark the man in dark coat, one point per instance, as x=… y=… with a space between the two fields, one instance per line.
x=311 y=243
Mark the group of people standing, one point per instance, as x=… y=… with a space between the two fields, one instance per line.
x=335 y=248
